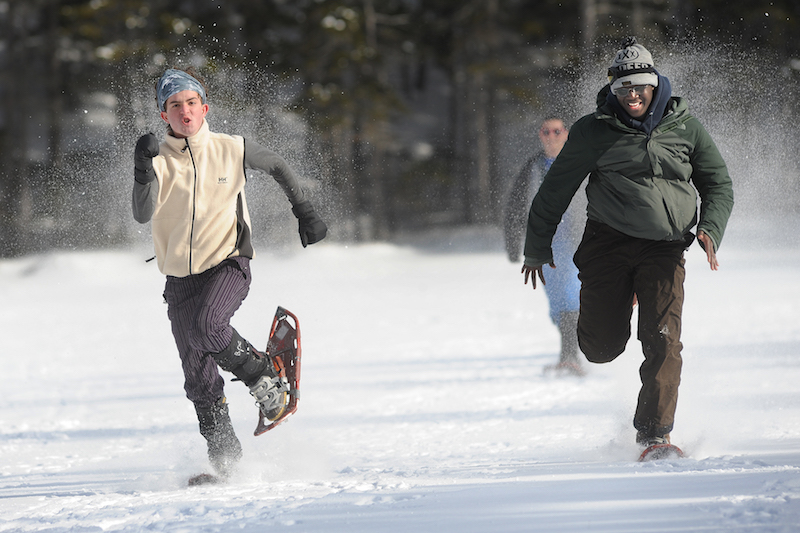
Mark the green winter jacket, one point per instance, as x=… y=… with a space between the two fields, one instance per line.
x=640 y=185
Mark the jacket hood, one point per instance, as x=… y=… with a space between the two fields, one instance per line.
x=664 y=105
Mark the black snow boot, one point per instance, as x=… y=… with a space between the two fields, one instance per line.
x=243 y=361
x=268 y=384
x=224 y=449
x=648 y=433
x=645 y=438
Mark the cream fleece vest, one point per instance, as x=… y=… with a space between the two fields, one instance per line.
x=201 y=216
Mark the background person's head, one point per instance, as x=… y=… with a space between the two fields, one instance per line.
x=552 y=135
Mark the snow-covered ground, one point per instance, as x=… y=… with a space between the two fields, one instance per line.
x=424 y=403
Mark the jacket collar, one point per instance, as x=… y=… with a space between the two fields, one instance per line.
x=196 y=142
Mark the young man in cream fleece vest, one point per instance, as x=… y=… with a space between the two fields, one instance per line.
x=191 y=187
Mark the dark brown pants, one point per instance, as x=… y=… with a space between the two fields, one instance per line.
x=612 y=268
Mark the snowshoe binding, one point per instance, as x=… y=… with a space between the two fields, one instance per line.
x=658 y=448
x=657 y=452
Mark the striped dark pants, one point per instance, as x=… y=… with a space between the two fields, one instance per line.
x=200 y=308
x=612 y=268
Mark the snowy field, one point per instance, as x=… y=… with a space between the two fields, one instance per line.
x=424 y=407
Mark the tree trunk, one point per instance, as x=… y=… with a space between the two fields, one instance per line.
x=15 y=200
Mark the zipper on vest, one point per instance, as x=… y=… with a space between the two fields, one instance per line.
x=194 y=203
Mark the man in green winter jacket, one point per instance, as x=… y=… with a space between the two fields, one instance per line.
x=646 y=157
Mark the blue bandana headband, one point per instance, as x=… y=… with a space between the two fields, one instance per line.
x=174 y=81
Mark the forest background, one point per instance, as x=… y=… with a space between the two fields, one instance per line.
x=401 y=115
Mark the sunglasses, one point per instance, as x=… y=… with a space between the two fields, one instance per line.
x=635 y=89
x=546 y=132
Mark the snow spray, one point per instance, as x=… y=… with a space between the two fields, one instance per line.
x=744 y=98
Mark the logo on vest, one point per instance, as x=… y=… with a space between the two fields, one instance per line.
x=222 y=180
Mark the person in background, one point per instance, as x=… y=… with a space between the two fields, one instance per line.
x=191 y=186
x=647 y=157
x=562 y=286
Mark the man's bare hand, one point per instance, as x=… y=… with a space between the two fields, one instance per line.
x=708 y=246
x=532 y=272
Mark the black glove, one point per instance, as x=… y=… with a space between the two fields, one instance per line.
x=312 y=228
x=146 y=150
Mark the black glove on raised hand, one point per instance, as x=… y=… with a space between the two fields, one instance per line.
x=312 y=228
x=146 y=150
